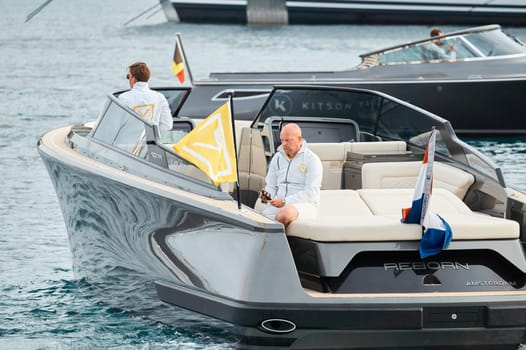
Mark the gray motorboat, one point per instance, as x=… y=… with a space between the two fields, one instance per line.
x=352 y=278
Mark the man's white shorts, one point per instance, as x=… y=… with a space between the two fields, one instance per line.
x=305 y=211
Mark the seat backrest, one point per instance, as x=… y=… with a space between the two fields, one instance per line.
x=405 y=174
x=252 y=163
x=332 y=156
x=239 y=126
x=380 y=147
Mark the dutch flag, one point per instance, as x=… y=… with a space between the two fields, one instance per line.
x=437 y=232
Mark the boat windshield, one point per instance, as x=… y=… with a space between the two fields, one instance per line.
x=121 y=128
x=478 y=43
x=374 y=116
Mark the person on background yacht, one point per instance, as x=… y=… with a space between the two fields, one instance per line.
x=294 y=179
x=436 y=50
x=148 y=103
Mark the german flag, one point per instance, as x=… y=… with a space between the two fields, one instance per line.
x=178 y=62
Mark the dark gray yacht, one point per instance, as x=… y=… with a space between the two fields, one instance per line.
x=479 y=88
x=473 y=12
x=351 y=278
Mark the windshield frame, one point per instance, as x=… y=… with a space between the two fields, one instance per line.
x=449 y=147
x=150 y=148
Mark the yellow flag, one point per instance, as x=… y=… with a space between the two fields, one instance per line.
x=210 y=146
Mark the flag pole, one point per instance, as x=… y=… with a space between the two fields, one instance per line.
x=230 y=102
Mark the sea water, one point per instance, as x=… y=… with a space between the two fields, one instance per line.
x=56 y=70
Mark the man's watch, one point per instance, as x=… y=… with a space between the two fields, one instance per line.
x=283 y=201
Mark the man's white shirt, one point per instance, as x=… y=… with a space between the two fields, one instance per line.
x=149 y=104
x=295 y=180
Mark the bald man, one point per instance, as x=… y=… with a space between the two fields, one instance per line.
x=293 y=180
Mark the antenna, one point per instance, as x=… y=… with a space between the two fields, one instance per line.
x=37 y=10
x=141 y=14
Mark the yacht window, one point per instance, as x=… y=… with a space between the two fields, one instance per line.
x=179 y=130
x=174 y=97
x=326 y=130
x=464 y=48
x=495 y=43
x=401 y=55
x=181 y=166
x=121 y=129
x=422 y=139
x=470 y=45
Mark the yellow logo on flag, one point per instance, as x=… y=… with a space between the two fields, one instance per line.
x=146 y=111
x=210 y=146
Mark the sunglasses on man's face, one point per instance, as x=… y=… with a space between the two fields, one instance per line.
x=128 y=76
